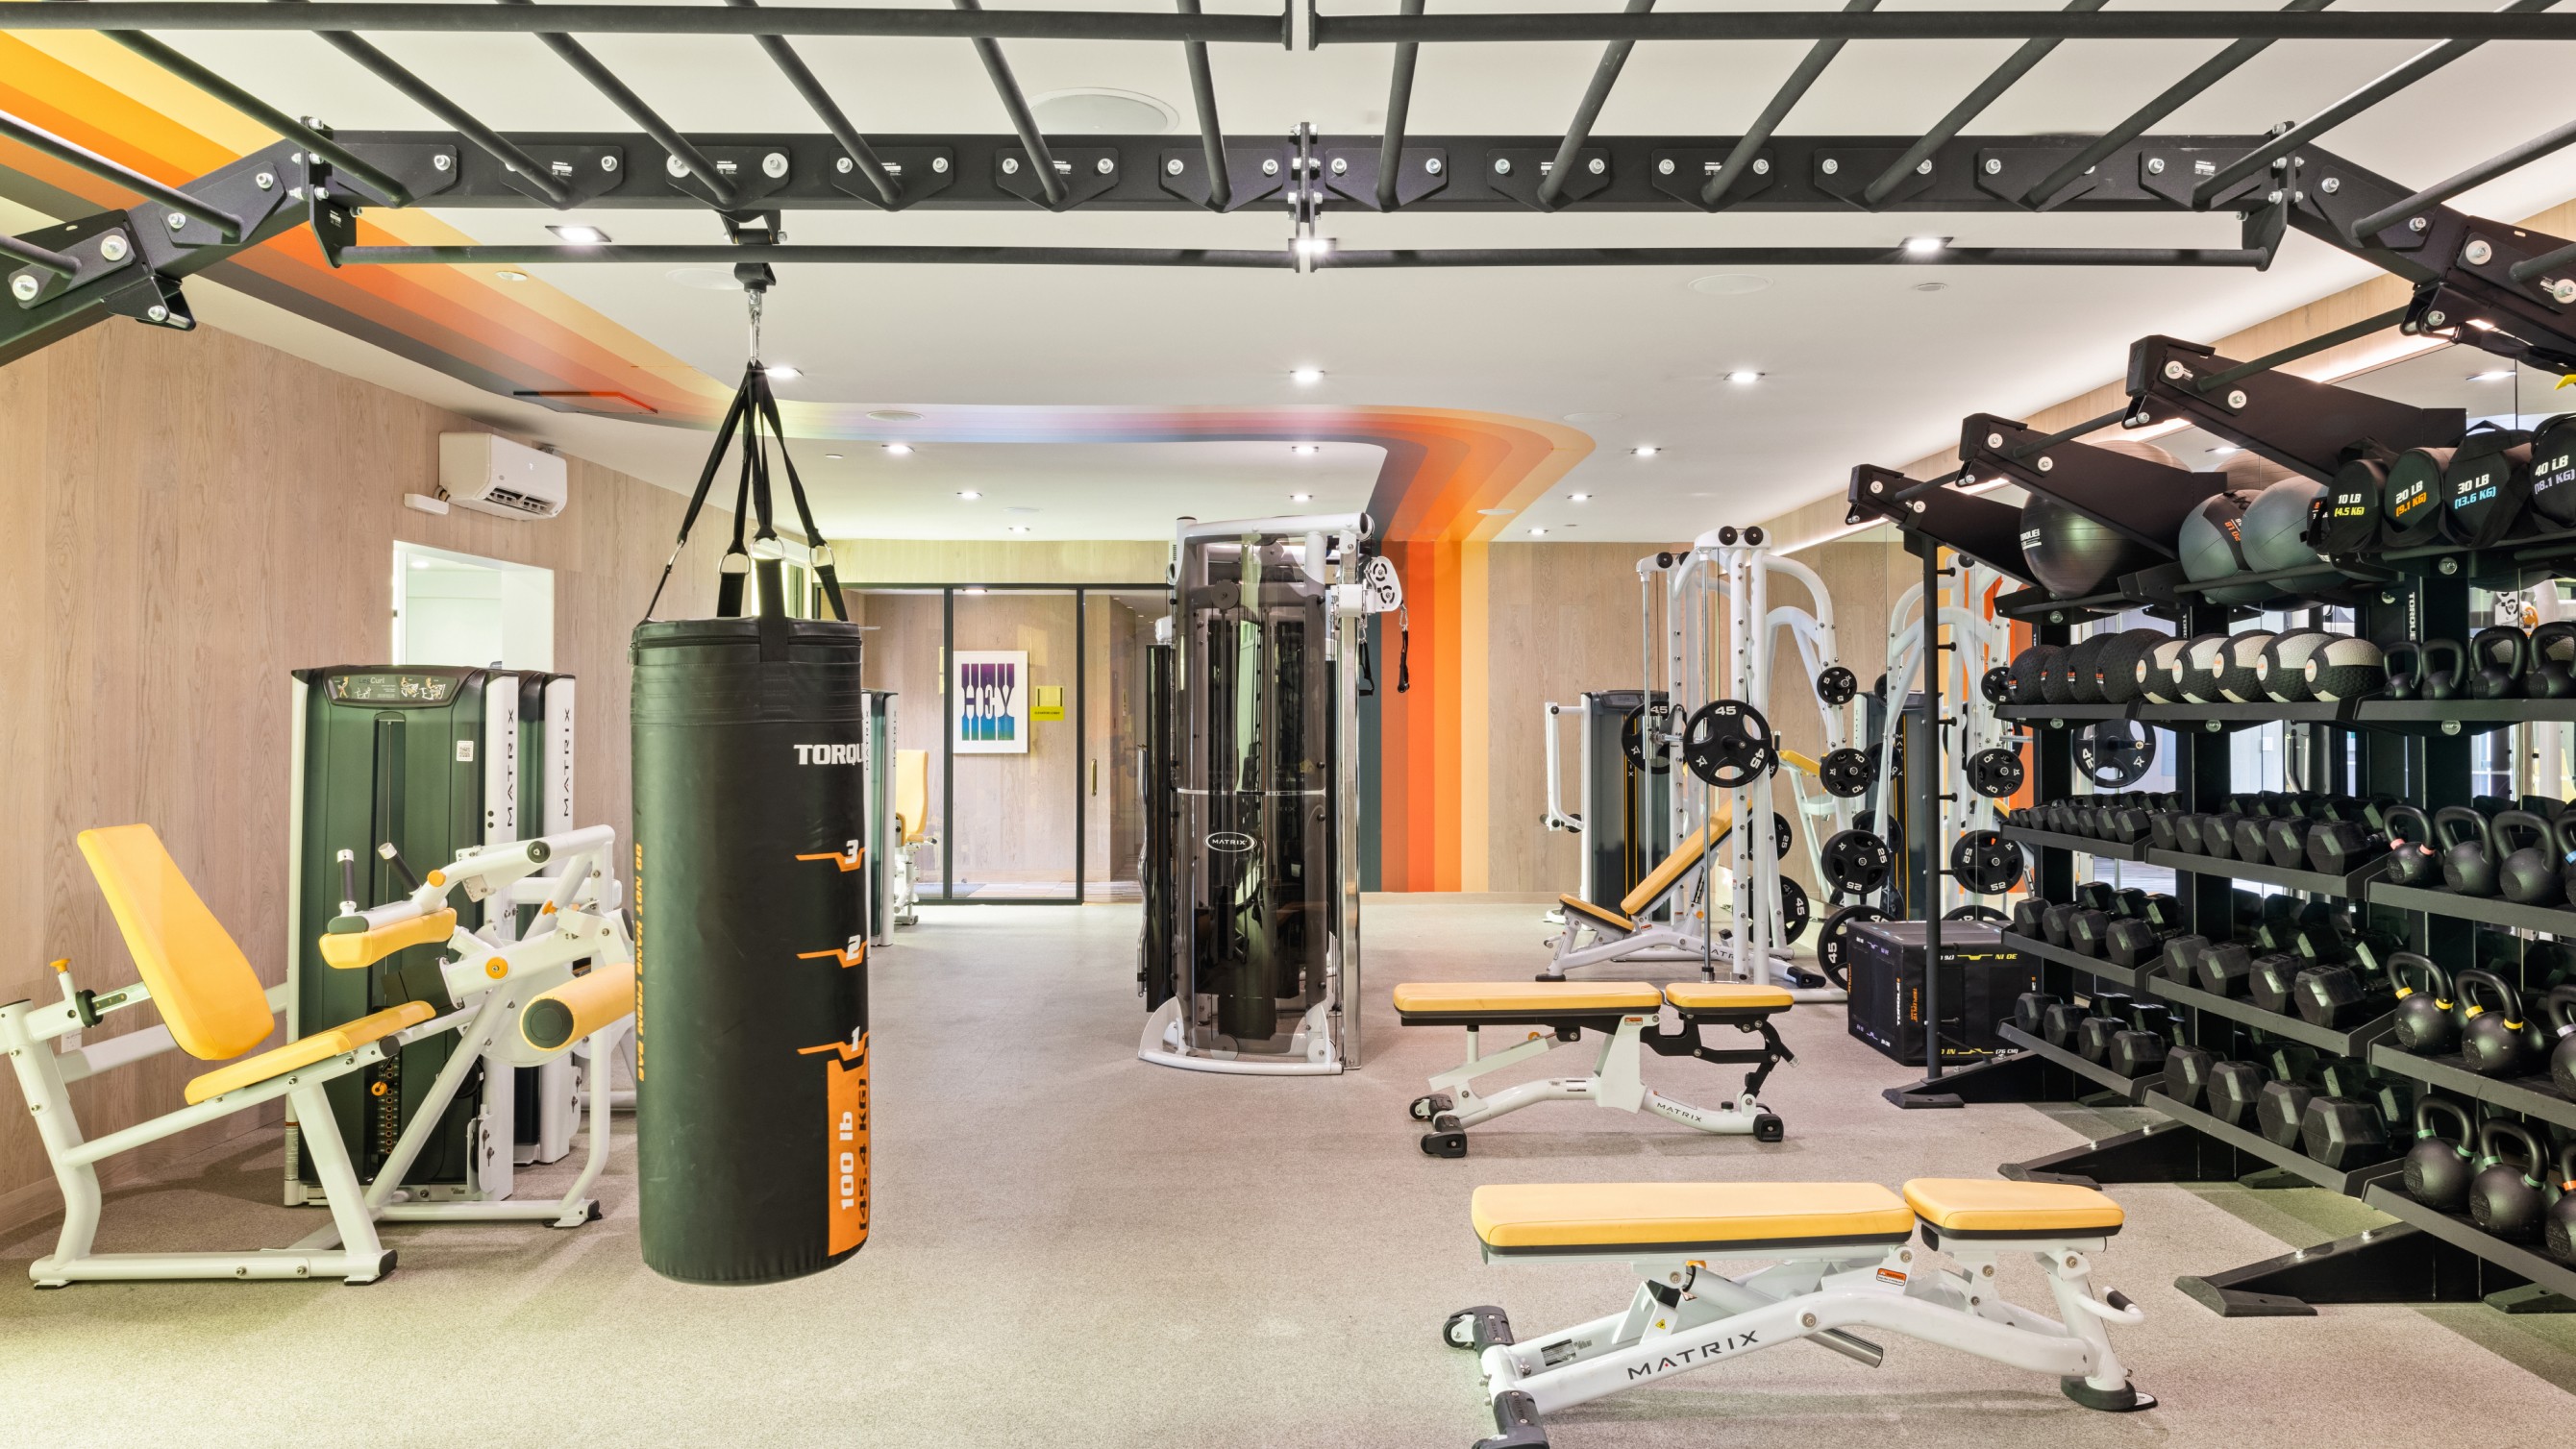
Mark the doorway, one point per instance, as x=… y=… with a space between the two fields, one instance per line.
x=457 y=608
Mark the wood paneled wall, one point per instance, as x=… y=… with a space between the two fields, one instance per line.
x=999 y=561
x=183 y=520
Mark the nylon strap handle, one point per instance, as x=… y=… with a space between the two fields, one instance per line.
x=735 y=569
x=698 y=497
x=819 y=552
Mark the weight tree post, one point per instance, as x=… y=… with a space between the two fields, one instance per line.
x=1925 y=764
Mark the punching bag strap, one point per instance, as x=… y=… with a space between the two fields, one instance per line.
x=698 y=496
x=735 y=569
x=819 y=555
x=1404 y=651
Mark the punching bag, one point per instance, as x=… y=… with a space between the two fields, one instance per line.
x=750 y=761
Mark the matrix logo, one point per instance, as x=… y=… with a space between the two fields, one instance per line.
x=1716 y=1347
x=1232 y=842
x=829 y=755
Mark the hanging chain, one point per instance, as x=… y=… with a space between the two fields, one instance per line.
x=754 y=295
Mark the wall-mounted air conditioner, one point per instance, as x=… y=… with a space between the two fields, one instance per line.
x=493 y=474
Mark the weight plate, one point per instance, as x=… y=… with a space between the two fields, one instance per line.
x=1995 y=773
x=1857 y=863
x=1996 y=686
x=1793 y=910
x=1976 y=913
x=1986 y=863
x=2115 y=753
x=1729 y=744
x=1837 y=686
x=1847 y=773
x=1632 y=742
x=1833 y=943
x=1781 y=839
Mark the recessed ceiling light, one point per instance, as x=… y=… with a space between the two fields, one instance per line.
x=969 y=494
x=1580 y=497
x=900 y=450
x=1924 y=246
x=1730 y=284
x=1743 y=375
x=508 y=276
x=783 y=373
x=894 y=415
x=1304 y=449
x=1647 y=451
x=2495 y=375
x=2482 y=324
x=2222 y=451
x=578 y=235
x=1931 y=286
x=835 y=457
x=1539 y=532
x=1019 y=528
x=1308 y=376
x=1301 y=497
x=1313 y=246
x=1101 y=111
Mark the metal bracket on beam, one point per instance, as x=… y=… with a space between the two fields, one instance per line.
x=424 y=169
x=1087 y=171
x=747 y=173
x=1683 y=172
x=1845 y=172
x=2139 y=498
x=1350 y=173
x=1516 y=172
x=334 y=223
x=1252 y=173
x=2171 y=172
x=916 y=171
x=101 y=245
x=2302 y=425
x=584 y=172
x=1983 y=529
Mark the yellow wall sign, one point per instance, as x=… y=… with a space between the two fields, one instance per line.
x=1049 y=703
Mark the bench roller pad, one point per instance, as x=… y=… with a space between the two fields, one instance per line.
x=1627 y=1216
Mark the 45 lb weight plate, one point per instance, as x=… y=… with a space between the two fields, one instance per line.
x=2115 y=753
x=1729 y=744
x=1833 y=943
x=1985 y=862
x=1793 y=910
x=1632 y=737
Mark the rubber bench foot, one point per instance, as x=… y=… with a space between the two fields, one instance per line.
x=1767 y=1127
x=1516 y=1415
x=2123 y=1400
x=1444 y=1144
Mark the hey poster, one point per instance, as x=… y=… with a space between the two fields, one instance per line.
x=991 y=687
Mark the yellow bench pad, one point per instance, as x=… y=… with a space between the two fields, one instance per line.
x=1987 y=1206
x=366 y=948
x=1616 y=1215
x=1465 y=998
x=1728 y=996
x=305 y=1051
x=1603 y=914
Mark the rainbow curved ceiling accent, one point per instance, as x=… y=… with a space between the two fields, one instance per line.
x=1449 y=481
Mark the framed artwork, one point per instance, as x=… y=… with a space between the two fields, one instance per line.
x=991 y=687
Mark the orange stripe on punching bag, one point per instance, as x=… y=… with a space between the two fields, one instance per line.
x=845 y=1169
x=854 y=954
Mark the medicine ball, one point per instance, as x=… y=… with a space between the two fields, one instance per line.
x=2553 y=470
x=2029 y=673
x=2410 y=503
x=2275 y=531
x=2284 y=670
x=2240 y=675
x=2347 y=668
x=2200 y=662
x=2072 y=555
x=2349 y=522
x=2082 y=663
x=2211 y=546
x=2117 y=667
x=2160 y=672
x=2488 y=485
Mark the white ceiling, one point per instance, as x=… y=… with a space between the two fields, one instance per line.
x=1858 y=364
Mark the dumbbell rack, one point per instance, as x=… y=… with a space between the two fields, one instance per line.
x=2417 y=751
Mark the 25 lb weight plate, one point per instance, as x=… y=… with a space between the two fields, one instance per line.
x=1793 y=910
x=1857 y=863
x=1985 y=862
x=1833 y=943
x=1847 y=773
x=1995 y=773
x=1837 y=686
x=1632 y=741
x=1729 y=744
x=2115 y=753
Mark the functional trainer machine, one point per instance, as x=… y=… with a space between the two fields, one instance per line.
x=524 y=1003
x=1256 y=948
x=1842 y=1257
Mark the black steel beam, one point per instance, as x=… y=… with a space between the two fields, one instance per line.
x=1211 y=130
x=1791 y=91
x=1798 y=182
x=666 y=136
x=293 y=129
x=493 y=144
x=1006 y=88
x=828 y=111
x=37 y=138
x=1399 y=105
x=2455 y=43
x=1973 y=105
x=36 y=256
x=2478 y=175
x=661 y=19
x=2208 y=73
x=1605 y=74
x=685 y=254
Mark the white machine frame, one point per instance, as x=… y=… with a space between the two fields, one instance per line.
x=1615 y=1082
x=43 y=1045
x=1979 y=640
x=1686 y=1316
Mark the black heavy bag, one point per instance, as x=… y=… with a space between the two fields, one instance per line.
x=2553 y=470
x=2488 y=482
x=750 y=910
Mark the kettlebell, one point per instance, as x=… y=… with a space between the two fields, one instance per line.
x=2494 y=1042
x=2562 y=832
x=2545 y=675
x=2412 y=861
x=2505 y=1200
x=2560 y=1009
x=2527 y=875
x=2438 y=1168
x=2494 y=676
x=2558 y=1233
x=2419 y=680
x=2425 y=1025
x=2468 y=850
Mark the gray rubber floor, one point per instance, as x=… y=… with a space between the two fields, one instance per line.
x=1073 y=1249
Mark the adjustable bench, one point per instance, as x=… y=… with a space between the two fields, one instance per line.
x=1625 y=934
x=1549 y=1016
x=1842 y=1257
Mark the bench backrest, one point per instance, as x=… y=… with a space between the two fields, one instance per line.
x=911 y=796
x=1666 y=874
x=209 y=996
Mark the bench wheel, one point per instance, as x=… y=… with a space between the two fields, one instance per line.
x=1767 y=1127
x=1460 y=1331
x=1426 y=1108
x=1445 y=1139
